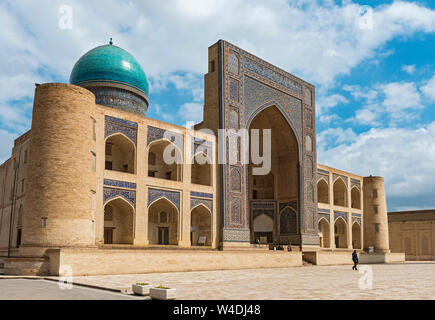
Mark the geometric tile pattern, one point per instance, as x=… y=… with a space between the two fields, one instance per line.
x=172 y=196
x=115 y=125
x=111 y=193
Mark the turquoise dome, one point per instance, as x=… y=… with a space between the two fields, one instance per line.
x=110 y=64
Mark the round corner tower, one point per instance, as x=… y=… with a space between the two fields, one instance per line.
x=60 y=173
x=375 y=215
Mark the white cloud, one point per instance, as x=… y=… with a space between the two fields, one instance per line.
x=429 y=89
x=410 y=69
x=326 y=102
x=191 y=111
x=6 y=141
x=404 y=157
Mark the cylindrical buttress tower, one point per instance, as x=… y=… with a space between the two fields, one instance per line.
x=375 y=215
x=60 y=173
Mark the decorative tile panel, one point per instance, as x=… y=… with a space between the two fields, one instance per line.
x=196 y=201
x=172 y=196
x=234 y=62
x=201 y=195
x=114 y=125
x=257 y=96
x=112 y=193
x=338 y=214
x=119 y=184
x=272 y=75
x=335 y=176
x=288 y=221
x=323 y=215
x=158 y=133
x=236 y=235
x=234 y=89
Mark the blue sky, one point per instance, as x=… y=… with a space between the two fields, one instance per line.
x=375 y=81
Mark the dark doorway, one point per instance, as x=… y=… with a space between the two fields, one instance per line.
x=108 y=236
x=164 y=235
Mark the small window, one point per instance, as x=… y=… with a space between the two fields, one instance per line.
x=108 y=165
x=108 y=149
x=254 y=194
x=168 y=175
x=94 y=161
x=375 y=209
x=375 y=193
x=376 y=227
x=125 y=167
x=25 y=156
x=94 y=132
x=163 y=217
x=93 y=205
x=108 y=213
x=151 y=174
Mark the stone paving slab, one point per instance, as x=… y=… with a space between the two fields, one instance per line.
x=411 y=280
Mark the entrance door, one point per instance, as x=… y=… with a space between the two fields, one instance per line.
x=337 y=242
x=108 y=236
x=164 y=235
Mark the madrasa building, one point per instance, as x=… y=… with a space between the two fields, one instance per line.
x=87 y=189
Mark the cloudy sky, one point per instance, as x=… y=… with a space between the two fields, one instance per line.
x=372 y=62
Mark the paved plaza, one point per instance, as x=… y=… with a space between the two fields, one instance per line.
x=410 y=280
x=26 y=289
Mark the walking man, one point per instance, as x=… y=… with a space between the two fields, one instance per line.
x=355 y=260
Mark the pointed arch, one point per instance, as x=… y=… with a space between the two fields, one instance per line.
x=160 y=168
x=120 y=228
x=340 y=232
x=340 y=192
x=355 y=197
x=356 y=235
x=163 y=232
x=120 y=153
x=201 y=225
x=322 y=191
x=324 y=233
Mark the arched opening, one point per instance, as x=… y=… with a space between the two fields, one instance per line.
x=163 y=223
x=355 y=198
x=356 y=236
x=281 y=182
x=323 y=191
x=120 y=154
x=340 y=230
x=324 y=233
x=159 y=167
x=201 y=169
x=118 y=222
x=19 y=225
x=200 y=226
x=263 y=229
x=340 y=193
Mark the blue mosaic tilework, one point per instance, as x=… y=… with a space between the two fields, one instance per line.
x=340 y=214
x=272 y=75
x=263 y=205
x=258 y=96
x=236 y=235
x=119 y=99
x=234 y=90
x=288 y=222
x=199 y=145
x=201 y=194
x=236 y=211
x=323 y=210
x=119 y=184
x=355 y=183
x=356 y=217
x=172 y=196
x=195 y=202
x=322 y=171
x=291 y=204
x=323 y=215
x=115 y=125
x=268 y=212
x=112 y=193
x=158 y=133
x=335 y=176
